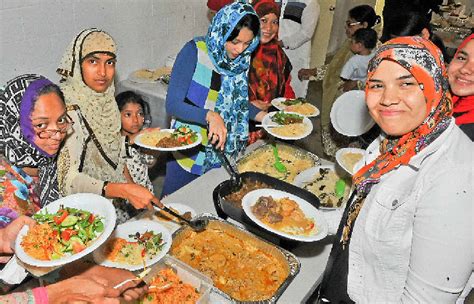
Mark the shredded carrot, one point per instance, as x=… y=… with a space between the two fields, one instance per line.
x=41 y=242
x=170 y=290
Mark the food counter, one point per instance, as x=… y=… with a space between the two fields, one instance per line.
x=313 y=256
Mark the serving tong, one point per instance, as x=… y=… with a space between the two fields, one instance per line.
x=235 y=180
x=196 y=224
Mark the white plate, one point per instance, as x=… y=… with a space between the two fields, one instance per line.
x=277 y=103
x=349 y=114
x=123 y=231
x=93 y=203
x=309 y=210
x=172 y=226
x=138 y=141
x=267 y=124
x=341 y=152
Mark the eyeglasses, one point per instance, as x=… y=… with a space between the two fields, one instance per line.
x=63 y=128
x=351 y=24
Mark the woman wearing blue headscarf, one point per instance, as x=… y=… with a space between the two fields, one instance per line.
x=208 y=91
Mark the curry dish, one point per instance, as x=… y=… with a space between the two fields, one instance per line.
x=238 y=265
x=284 y=215
x=262 y=160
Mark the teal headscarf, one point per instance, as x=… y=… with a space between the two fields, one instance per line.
x=232 y=103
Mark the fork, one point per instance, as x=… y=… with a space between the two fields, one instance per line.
x=140 y=277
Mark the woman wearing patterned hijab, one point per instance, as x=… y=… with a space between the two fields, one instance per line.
x=33 y=123
x=96 y=158
x=208 y=91
x=412 y=207
x=269 y=75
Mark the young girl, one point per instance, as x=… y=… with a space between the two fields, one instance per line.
x=135 y=116
x=134 y=112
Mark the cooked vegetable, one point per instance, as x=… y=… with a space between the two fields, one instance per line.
x=291 y=102
x=283 y=118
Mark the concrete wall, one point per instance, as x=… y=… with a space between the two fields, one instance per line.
x=35 y=33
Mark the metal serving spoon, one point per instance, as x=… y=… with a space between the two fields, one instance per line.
x=197 y=225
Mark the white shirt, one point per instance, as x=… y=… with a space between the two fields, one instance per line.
x=413 y=239
x=356 y=67
x=298 y=21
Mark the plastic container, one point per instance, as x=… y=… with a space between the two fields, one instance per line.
x=188 y=275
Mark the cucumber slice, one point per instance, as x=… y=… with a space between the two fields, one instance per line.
x=70 y=220
x=75 y=238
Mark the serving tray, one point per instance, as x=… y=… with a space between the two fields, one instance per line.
x=281 y=254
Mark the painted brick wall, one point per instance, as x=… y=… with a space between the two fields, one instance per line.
x=35 y=33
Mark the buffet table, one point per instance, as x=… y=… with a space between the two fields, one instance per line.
x=313 y=256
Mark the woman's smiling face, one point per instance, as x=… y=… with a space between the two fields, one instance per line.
x=268 y=27
x=395 y=99
x=461 y=71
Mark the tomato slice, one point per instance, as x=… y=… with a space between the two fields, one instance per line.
x=77 y=247
x=66 y=234
x=59 y=219
x=91 y=218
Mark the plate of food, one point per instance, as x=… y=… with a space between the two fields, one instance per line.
x=349 y=158
x=324 y=181
x=297 y=105
x=134 y=245
x=66 y=230
x=287 y=125
x=150 y=75
x=181 y=138
x=285 y=214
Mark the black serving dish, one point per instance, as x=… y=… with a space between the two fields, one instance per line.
x=226 y=209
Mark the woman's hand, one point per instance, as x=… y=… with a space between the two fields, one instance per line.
x=9 y=233
x=217 y=133
x=139 y=196
x=262 y=105
x=305 y=74
x=115 y=276
x=83 y=289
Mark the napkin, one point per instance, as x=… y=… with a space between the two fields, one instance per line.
x=13 y=273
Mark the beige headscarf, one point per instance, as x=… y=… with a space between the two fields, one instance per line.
x=99 y=109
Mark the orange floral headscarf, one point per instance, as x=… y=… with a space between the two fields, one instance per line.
x=425 y=62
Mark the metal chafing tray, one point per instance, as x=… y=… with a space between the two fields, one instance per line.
x=283 y=148
x=284 y=256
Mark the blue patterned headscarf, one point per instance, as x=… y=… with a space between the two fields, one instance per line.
x=232 y=103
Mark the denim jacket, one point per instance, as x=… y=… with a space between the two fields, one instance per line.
x=413 y=239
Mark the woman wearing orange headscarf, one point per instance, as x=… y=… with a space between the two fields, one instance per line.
x=406 y=234
x=461 y=81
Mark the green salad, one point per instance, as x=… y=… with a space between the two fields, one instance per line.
x=185 y=135
x=73 y=229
